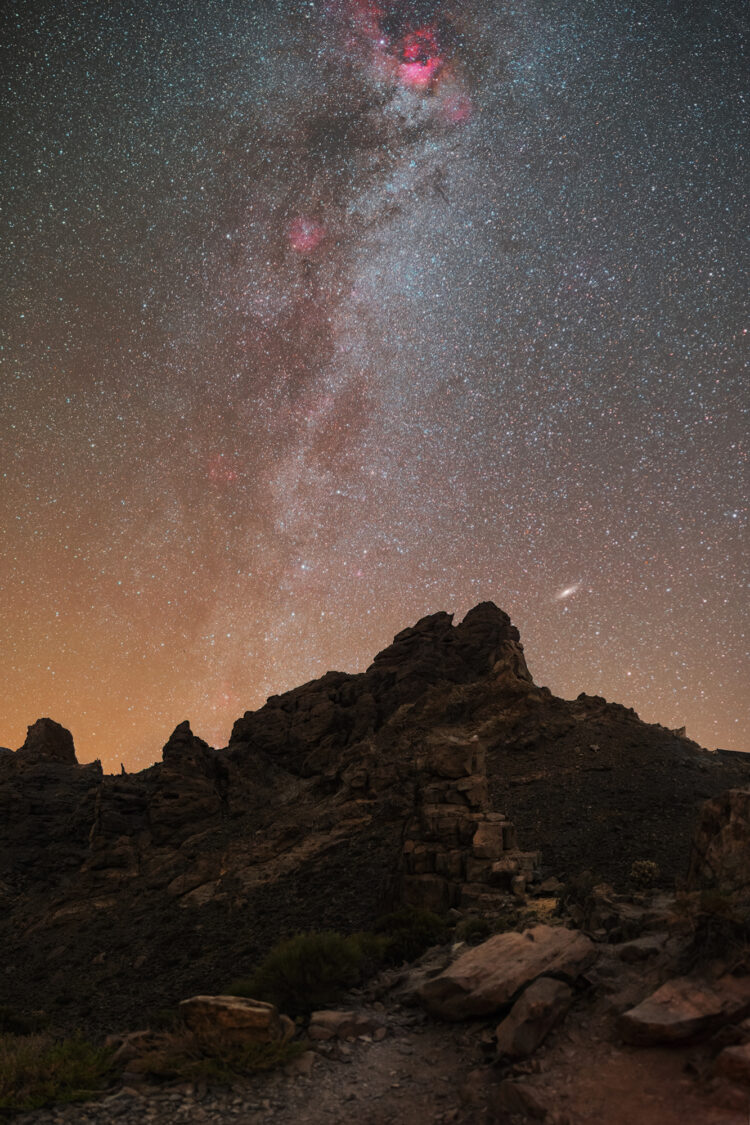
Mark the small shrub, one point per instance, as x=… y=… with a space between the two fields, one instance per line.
x=577 y=891
x=644 y=874
x=306 y=972
x=36 y=1070
x=473 y=930
x=409 y=932
x=214 y=1060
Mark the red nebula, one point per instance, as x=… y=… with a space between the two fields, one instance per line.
x=421 y=58
x=306 y=234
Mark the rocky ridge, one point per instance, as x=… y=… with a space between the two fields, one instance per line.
x=121 y=894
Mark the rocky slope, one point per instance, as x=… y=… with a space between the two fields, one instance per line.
x=123 y=894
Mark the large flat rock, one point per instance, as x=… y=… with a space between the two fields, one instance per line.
x=488 y=978
x=686 y=1008
x=234 y=1017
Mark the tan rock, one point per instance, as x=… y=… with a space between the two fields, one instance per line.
x=684 y=1009
x=532 y=1017
x=236 y=1018
x=341 y=1025
x=488 y=841
x=488 y=977
x=734 y=1062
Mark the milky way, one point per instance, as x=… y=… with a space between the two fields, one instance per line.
x=319 y=317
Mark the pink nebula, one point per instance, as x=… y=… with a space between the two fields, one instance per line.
x=457 y=109
x=306 y=234
x=421 y=58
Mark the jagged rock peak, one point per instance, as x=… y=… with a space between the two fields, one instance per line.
x=485 y=636
x=307 y=728
x=182 y=743
x=47 y=740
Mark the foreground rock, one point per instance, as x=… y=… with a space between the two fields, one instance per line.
x=235 y=1018
x=488 y=978
x=684 y=1009
x=532 y=1017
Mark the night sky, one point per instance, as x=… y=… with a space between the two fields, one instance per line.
x=321 y=316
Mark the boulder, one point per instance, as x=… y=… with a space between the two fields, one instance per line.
x=684 y=1009
x=642 y=948
x=734 y=1063
x=489 y=977
x=532 y=1017
x=235 y=1018
x=341 y=1025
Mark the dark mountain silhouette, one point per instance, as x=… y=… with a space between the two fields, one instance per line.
x=121 y=894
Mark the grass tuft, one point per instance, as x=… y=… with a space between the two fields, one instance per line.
x=214 y=1059
x=37 y=1070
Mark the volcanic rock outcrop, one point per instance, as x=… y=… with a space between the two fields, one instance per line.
x=720 y=852
x=330 y=805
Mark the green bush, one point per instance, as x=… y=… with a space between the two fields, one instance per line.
x=308 y=971
x=409 y=932
x=644 y=874
x=473 y=930
x=36 y=1070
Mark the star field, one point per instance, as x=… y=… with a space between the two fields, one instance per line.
x=321 y=316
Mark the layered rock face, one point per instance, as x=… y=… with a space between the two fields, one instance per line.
x=720 y=852
x=457 y=852
x=330 y=805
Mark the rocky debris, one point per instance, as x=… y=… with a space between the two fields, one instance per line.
x=489 y=977
x=621 y=918
x=524 y=1099
x=326 y=1025
x=720 y=849
x=235 y=1018
x=640 y=949
x=47 y=741
x=684 y=1009
x=532 y=1017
